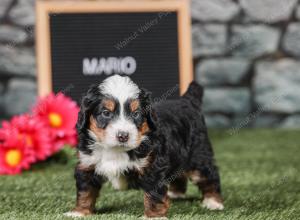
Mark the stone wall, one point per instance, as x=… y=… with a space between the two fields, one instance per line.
x=246 y=54
x=17 y=60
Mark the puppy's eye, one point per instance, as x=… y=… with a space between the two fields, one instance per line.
x=136 y=114
x=106 y=114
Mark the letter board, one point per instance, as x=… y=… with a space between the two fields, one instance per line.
x=83 y=42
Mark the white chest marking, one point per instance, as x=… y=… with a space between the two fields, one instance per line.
x=112 y=164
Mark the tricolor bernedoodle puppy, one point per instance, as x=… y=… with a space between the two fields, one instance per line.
x=133 y=143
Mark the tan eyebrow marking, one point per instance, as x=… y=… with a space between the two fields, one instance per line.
x=109 y=104
x=134 y=105
x=99 y=132
x=144 y=128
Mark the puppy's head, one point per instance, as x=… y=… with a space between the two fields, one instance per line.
x=116 y=113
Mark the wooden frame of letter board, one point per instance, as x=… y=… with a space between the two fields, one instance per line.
x=45 y=7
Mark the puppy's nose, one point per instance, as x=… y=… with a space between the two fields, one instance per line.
x=123 y=136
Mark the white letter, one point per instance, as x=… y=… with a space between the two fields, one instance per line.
x=128 y=65
x=89 y=67
x=101 y=66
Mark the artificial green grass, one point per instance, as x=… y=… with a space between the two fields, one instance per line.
x=259 y=172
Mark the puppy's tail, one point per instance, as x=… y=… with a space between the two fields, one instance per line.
x=194 y=94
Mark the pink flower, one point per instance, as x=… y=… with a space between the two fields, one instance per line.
x=32 y=132
x=15 y=156
x=59 y=113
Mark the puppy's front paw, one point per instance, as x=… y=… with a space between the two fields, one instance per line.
x=212 y=204
x=74 y=214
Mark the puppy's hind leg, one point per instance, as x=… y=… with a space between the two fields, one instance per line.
x=208 y=181
x=177 y=188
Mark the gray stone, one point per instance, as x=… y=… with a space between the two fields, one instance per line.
x=209 y=39
x=266 y=121
x=254 y=119
x=254 y=41
x=291 y=41
x=276 y=86
x=227 y=100
x=214 y=10
x=291 y=122
x=217 y=121
x=239 y=122
x=12 y=35
x=298 y=12
x=20 y=96
x=2 y=114
x=268 y=11
x=17 y=61
x=1 y=100
x=214 y=72
x=23 y=13
x=4 y=4
x=1 y=87
x=30 y=31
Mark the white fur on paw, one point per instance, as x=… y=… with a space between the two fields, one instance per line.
x=74 y=214
x=174 y=195
x=212 y=204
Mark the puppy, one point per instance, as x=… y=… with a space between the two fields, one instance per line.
x=132 y=143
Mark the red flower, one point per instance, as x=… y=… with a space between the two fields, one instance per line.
x=32 y=132
x=15 y=156
x=59 y=113
x=26 y=139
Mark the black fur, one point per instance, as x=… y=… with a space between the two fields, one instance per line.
x=178 y=144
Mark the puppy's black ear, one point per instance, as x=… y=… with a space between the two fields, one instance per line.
x=148 y=111
x=88 y=103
